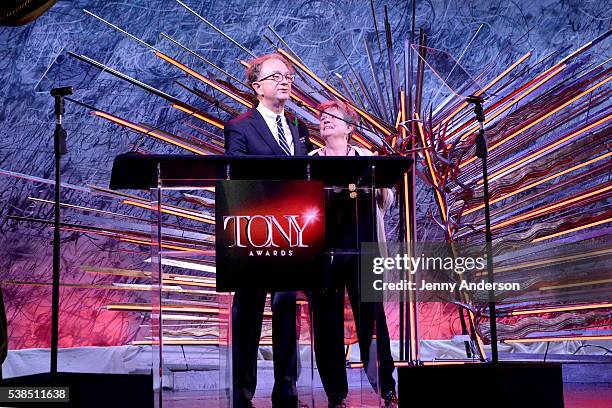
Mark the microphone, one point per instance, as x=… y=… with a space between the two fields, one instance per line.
x=58 y=94
x=477 y=101
x=61 y=91
x=355 y=125
x=481 y=140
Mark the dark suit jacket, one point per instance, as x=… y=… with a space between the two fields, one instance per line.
x=248 y=134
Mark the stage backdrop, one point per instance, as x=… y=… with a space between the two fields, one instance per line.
x=474 y=31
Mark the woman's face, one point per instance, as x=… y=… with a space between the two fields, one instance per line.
x=332 y=125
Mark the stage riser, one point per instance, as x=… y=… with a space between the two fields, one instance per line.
x=92 y=390
x=193 y=380
x=504 y=385
x=588 y=373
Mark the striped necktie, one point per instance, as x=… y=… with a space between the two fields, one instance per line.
x=282 y=141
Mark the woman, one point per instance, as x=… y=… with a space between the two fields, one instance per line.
x=337 y=121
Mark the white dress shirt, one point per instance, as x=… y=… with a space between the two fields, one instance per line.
x=270 y=118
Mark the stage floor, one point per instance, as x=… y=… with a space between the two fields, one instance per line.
x=575 y=396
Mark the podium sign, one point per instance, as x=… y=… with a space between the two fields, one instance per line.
x=269 y=234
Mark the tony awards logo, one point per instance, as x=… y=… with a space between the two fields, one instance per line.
x=268 y=235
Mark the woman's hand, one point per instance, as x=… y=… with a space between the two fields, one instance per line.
x=382 y=195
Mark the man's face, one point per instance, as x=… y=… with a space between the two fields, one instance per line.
x=269 y=89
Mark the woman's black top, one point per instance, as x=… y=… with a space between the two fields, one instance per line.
x=348 y=221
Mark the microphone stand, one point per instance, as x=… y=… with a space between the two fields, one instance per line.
x=81 y=389
x=59 y=149
x=481 y=152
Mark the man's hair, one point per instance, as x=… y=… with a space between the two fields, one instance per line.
x=254 y=66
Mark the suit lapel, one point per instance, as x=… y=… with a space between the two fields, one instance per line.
x=295 y=134
x=260 y=125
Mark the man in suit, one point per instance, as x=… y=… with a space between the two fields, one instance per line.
x=265 y=130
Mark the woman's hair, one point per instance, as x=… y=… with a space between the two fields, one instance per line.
x=348 y=113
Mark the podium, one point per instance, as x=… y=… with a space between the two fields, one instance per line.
x=191 y=286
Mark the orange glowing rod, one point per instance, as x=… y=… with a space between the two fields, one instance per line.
x=430 y=165
x=530 y=86
x=400 y=363
x=557 y=234
x=577 y=285
x=204 y=79
x=316 y=142
x=208 y=119
x=179 y=213
x=486 y=88
x=331 y=89
x=177 y=309
x=411 y=300
x=361 y=140
x=175 y=342
x=550 y=74
x=399 y=115
x=402 y=116
x=407 y=207
x=540 y=119
x=503 y=74
x=190 y=283
x=550 y=261
x=185 y=279
x=168 y=317
x=550 y=147
x=171 y=278
x=537 y=183
x=188 y=342
x=561 y=338
x=538 y=80
x=413 y=334
x=560 y=309
x=585 y=46
x=567 y=58
x=145 y=131
x=165 y=246
x=479 y=342
x=552 y=207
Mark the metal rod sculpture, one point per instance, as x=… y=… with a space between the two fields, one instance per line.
x=549 y=126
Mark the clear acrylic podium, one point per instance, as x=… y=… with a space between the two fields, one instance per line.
x=191 y=323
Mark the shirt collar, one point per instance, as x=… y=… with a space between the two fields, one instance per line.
x=267 y=113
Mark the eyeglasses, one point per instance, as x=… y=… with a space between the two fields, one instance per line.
x=278 y=77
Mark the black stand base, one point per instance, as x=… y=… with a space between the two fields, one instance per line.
x=501 y=385
x=90 y=390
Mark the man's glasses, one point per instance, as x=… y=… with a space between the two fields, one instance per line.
x=278 y=77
